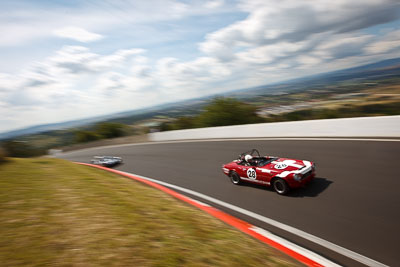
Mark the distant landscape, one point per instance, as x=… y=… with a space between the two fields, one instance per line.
x=370 y=90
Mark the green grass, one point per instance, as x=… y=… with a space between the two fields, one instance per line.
x=56 y=213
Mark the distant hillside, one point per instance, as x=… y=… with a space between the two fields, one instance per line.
x=50 y=127
x=380 y=70
x=123 y=117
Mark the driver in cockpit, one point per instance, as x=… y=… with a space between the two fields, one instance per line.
x=249 y=160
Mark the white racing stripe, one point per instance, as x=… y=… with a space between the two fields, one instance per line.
x=338 y=249
x=256 y=181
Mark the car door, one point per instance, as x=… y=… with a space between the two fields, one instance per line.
x=241 y=170
x=249 y=173
x=264 y=175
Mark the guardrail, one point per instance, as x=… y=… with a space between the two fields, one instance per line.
x=384 y=126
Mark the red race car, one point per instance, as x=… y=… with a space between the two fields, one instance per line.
x=280 y=173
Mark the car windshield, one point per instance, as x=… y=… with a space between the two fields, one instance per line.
x=265 y=161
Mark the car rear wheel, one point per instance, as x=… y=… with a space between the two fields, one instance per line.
x=235 y=178
x=280 y=186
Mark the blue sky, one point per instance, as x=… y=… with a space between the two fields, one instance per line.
x=64 y=60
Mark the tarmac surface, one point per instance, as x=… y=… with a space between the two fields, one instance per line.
x=353 y=202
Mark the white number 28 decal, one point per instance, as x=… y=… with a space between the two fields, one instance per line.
x=251 y=173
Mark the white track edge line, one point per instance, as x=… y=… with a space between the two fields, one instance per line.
x=296 y=248
x=338 y=249
x=302 y=251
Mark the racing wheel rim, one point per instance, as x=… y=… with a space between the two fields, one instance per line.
x=235 y=178
x=280 y=187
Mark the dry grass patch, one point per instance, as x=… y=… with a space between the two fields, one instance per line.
x=57 y=213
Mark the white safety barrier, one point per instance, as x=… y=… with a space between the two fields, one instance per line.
x=385 y=126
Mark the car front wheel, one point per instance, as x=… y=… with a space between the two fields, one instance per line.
x=235 y=178
x=280 y=186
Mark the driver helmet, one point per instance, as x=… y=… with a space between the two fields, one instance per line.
x=248 y=158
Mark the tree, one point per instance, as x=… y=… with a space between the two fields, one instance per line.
x=165 y=126
x=85 y=136
x=228 y=111
x=185 y=122
x=22 y=149
x=110 y=129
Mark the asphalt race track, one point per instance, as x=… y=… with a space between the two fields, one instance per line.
x=353 y=202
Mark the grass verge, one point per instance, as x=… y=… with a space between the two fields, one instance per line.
x=57 y=213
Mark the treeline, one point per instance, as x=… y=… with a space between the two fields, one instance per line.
x=229 y=111
x=365 y=110
x=220 y=112
x=102 y=130
x=20 y=149
x=29 y=146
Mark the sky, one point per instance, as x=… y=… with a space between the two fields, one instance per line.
x=66 y=60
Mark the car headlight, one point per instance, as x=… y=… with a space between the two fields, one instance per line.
x=297 y=177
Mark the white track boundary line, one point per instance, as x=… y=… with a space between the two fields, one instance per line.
x=338 y=249
x=302 y=251
x=296 y=248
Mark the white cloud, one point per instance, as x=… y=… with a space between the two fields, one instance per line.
x=389 y=42
x=79 y=59
x=293 y=21
x=268 y=53
x=77 y=34
x=115 y=59
x=278 y=40
x=70 y=74
x=214 y=4
x=17 y=34
x=82 y=20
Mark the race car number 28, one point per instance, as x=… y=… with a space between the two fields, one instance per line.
x=251 y=173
